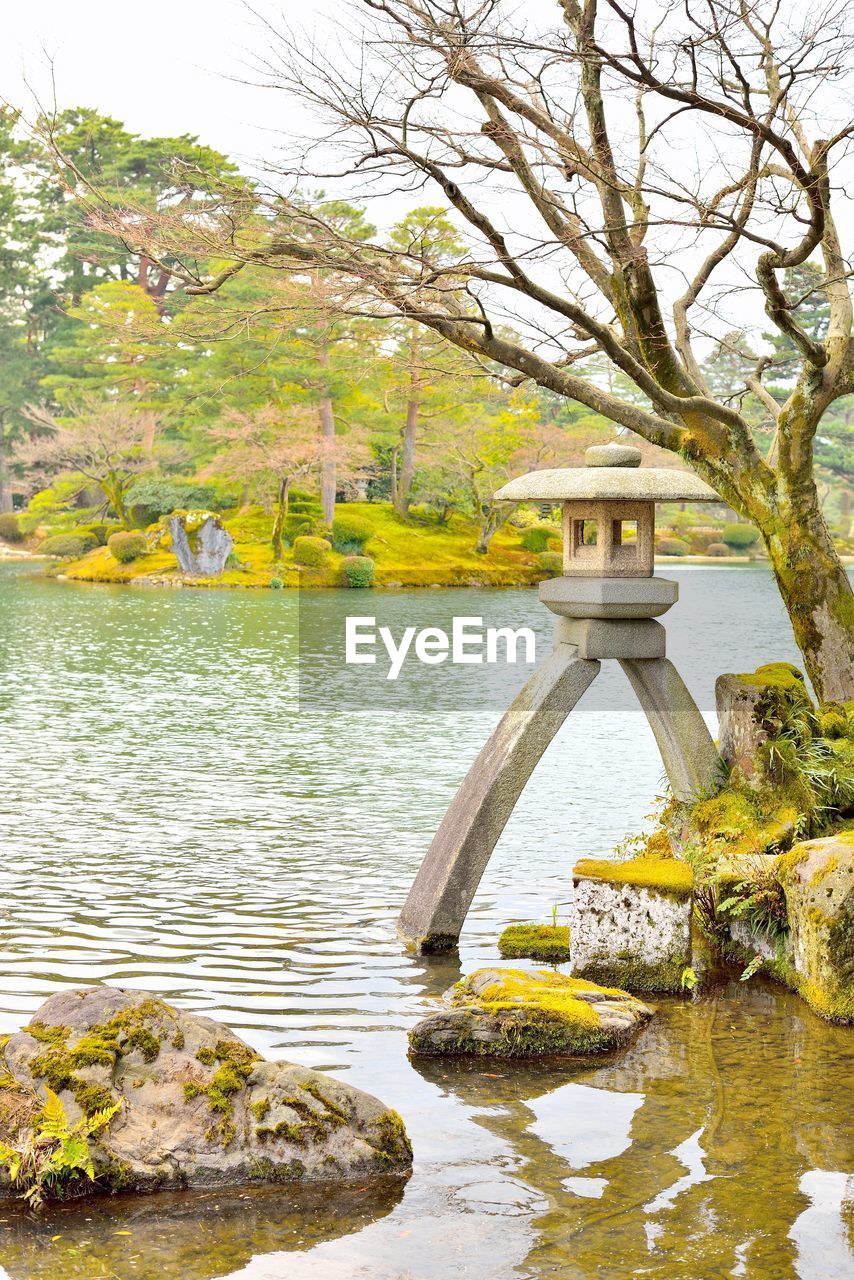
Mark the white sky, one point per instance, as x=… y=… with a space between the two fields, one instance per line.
x=162 y=66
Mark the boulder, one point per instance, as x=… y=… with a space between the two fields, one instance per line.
x=754 y=707
x=631 y=922
x=818 y=880
x=201 y=543
x=511 y=1013
x=198 y=1106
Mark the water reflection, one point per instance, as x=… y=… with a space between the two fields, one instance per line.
x=173 y=821
x=181 y=1235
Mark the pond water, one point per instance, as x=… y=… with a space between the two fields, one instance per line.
x=177 y=818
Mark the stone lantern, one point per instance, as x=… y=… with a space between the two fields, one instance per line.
x=606 y=602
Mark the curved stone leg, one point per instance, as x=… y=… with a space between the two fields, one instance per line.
x=687 y=749
x=442 y=891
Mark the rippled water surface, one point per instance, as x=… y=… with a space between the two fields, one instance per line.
x=176 y=819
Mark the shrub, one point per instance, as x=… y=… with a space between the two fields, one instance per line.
x=311 y=551
x=9 y=527
x=739 y=536
x=152 y=497
x=125 y=547
x=69 y=545
x=276 y=584
x=349 y=534
x=536 y=536
x=100 y=532
x=717 y=549
x=550 y=562
x=357 y=571
x=672 y=547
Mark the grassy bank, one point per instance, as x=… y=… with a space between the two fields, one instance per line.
x=406 y=553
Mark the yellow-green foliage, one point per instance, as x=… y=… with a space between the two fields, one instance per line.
x=311 y=552
x=55 y=1154
x=127 y=546
x=547 y=942
x=666 y=875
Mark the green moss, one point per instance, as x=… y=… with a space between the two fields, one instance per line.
x=102 y=1046
x=178 y=1040
x=262 y=1169
x=669 y=876
x=116 y=1175
x=235 y=1065
x=629 y=973
x=260 y=1108
x=534 y=1014
x=392 y=1147
x=545 y=942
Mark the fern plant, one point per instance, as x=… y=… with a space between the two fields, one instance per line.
x=55 y=1154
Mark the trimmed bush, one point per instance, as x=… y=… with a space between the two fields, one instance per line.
x=125 y=547
x=357 y=571
x=672 y=547
x=739 y=536
x=68 y=545
x=717 y=549
x=310 y=551
x=100 y=532
x=550 y=562
x=9 y=527
x=536 y=537
x=276 y=584
x=349 y=534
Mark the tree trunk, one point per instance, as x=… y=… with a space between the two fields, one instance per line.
x=327 y=465
x=393 y=470
x=817 y=594
x=407 y=456
x=5 y=489
x=279 y=522
x=491 y=521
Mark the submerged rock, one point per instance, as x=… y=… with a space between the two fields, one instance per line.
x=201 y=543
x=549 y=942
x=511 y=1013
x=631 y=922
x=199 y=1108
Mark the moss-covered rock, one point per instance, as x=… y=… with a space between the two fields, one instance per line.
x=755 y=707
x=199 y=1107
x=818 y=881
x=547 y=942
x=510 y=1013
x=631 y=922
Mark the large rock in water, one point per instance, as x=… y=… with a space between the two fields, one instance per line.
x=199 y=1108
x=511 y=1013
x=201 y=543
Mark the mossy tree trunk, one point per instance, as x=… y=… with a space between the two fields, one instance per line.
x=5 y=490
x=282 y=502
x=816 y=591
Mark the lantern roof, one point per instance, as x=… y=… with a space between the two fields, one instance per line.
x=612 y=472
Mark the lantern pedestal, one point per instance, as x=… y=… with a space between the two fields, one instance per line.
x=609 y=616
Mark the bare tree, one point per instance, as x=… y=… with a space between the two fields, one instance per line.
x=635 y=181
x=106 y=443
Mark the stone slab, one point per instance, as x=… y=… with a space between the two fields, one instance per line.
x=620 y=598
x=571 y=484
x=597 y=638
